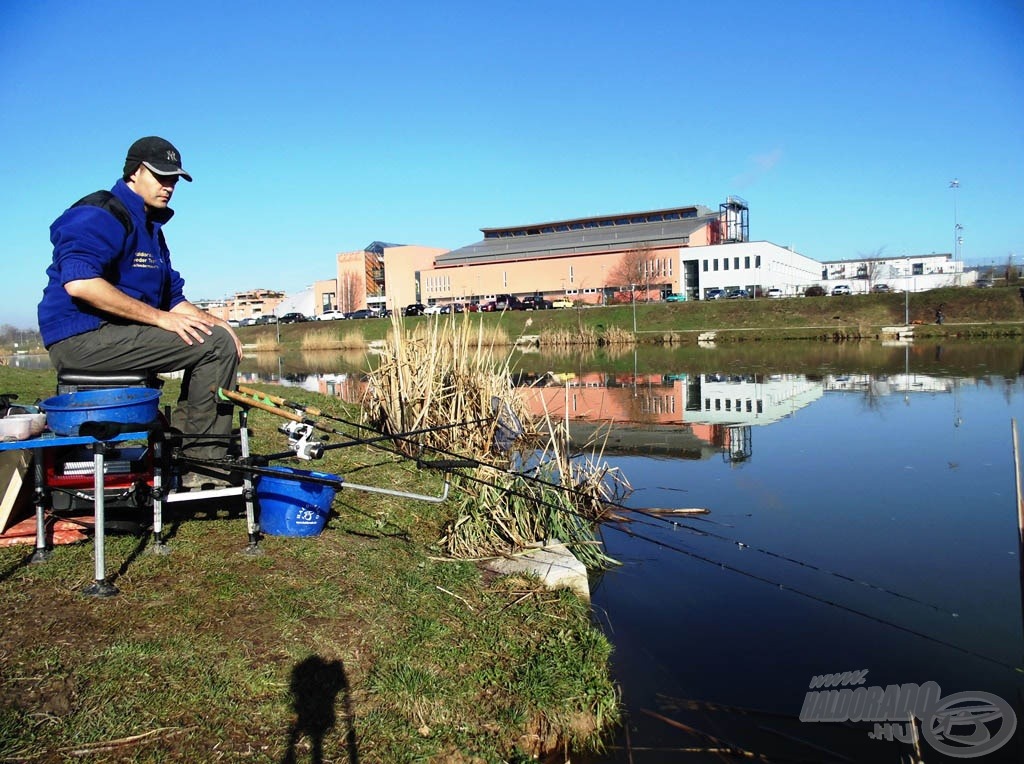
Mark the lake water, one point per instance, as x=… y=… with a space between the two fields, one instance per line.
x=862 y=518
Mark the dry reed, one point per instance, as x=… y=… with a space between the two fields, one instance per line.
x=267 y=345
x=446 y=372
x=329 y=339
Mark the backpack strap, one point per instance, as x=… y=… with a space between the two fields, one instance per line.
x=109 y=202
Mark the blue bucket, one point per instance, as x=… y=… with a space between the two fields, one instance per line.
x=292 y=506
x=124 y=405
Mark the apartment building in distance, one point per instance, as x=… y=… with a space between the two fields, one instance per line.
x=251 y=304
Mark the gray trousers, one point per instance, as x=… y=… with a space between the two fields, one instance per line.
x=136 y=347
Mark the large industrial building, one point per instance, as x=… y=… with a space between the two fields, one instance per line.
x=646 y=255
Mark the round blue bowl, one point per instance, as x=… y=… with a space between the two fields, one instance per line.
x=124 y=405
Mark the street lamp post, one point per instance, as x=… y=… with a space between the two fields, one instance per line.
x=632 y=294
x=958 y=239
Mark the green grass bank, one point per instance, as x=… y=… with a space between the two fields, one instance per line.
x=968 y=312
x=361 y=644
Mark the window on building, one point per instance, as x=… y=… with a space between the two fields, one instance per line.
x=716 y=264
x=572 y=273
x=917 y=269
x=746 y=261
x=725 y=263
x=705 y=266
x=736 y=263
x=757 y=261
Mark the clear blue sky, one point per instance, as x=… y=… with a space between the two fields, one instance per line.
x=324 y=126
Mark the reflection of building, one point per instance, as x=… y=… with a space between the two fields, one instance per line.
x=715 y=409
x=699 y=399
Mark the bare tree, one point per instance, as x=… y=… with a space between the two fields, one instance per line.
x=875 y=268
x=348 y=290
x=635 y=267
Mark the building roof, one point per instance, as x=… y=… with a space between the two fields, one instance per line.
x=656 y=228
x=378 y=247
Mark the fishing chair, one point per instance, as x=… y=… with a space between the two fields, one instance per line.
x=73 y=380
x=158 y=471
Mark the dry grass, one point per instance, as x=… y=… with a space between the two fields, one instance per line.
x=447 y=373
x=332 y=339
x=442 y=373
x=267 y=345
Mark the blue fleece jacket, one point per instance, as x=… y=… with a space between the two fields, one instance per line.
x=89 y=242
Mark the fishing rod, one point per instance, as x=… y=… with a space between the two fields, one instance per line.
x=301 y=427
x=274 y=400
x=459 y=461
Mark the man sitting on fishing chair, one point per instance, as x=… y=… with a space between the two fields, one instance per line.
x=113 y=302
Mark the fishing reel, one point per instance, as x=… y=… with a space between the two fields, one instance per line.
x=301 y=441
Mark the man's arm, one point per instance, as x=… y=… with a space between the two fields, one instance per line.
x=184 y=319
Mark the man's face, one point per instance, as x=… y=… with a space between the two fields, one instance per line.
x=156 y=190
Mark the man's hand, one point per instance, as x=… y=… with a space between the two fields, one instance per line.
x=204 y=321
x=184 y=319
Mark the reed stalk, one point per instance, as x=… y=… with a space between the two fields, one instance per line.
x=446 y=371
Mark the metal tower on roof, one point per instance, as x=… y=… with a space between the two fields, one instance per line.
x=734 y=216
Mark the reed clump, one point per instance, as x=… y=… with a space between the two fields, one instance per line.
x=267 y=345
x=443 y=377
x=616 y=335
x=327 y=339
x=445 y=381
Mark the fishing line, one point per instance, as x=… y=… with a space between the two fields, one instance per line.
x=817 y=568
x=816 y=598
x=509 y=428
x=661 y=521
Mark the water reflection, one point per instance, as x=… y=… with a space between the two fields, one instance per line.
x=862 y=517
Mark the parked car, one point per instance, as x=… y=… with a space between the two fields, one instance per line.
x=715 y=294
x=416 y=309
x=247 y=322
x=816 y=290
x=881 y=289
x=292 y=318
x=737 y=294
x=508 y=302
x=234 y=322
x=561 y=302
x=361 y=313
x=839 y=289
x=331 y=315
x=676 y=297
x=487 y=307
x=983 y=283
x=269 y=319
x=432 y=310
x=774 y=293
x=472 y=307
x=536 y=302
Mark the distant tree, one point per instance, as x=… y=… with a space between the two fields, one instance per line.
x=877 y=268
x=630 y=269
x=347 y=292
x=638 y=266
